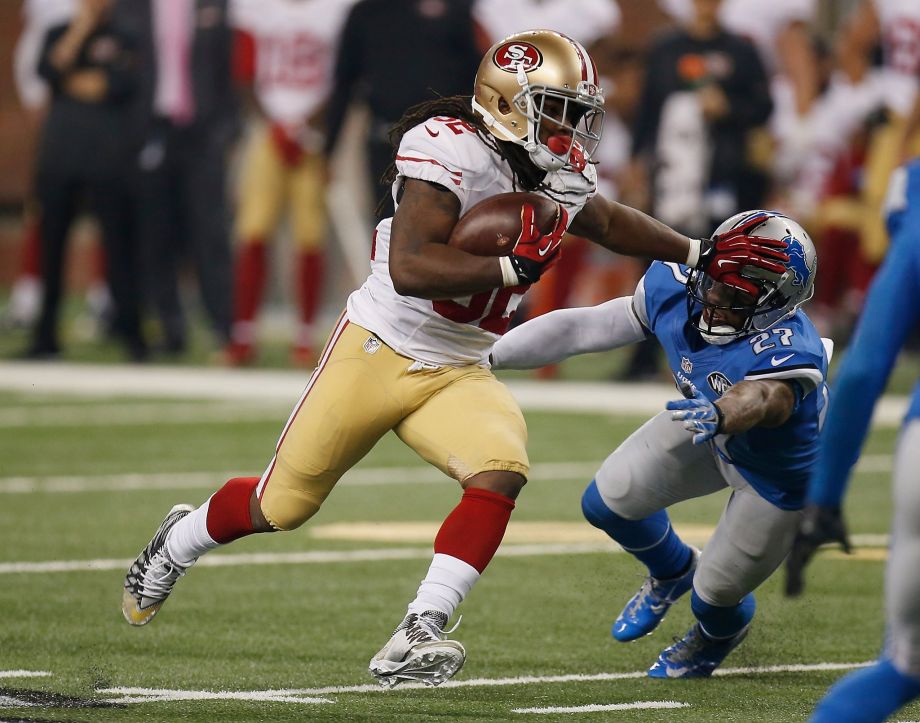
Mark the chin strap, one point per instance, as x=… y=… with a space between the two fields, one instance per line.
x=543 y=158
x=719 y=339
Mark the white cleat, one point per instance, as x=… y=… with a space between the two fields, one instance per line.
x=154 y=573
x=418 y=651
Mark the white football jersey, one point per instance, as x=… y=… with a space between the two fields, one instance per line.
x=461 y=331
x=296 y=43
x=38 y=17
x=900 y=24
x=582 y=20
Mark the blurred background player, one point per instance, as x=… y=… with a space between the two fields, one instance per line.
x=890 y=315
x=705 y=92
x=293 y=46
x=752 y=369
x=85 y=151
x=870 y=94
x=185 y=121
x=392 y=55
x=408 y=354
x=38 y=17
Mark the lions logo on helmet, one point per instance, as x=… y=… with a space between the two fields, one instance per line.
x=541 y=80
x=798 y=263
x=710 y=305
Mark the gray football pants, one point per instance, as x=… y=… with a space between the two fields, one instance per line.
x=659 y=465
x=902 y=579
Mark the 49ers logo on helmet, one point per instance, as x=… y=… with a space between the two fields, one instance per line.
x=511 y=56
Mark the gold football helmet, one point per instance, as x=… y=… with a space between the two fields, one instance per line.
x=542 y=80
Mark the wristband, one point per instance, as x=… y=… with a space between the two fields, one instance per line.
x=693 y=254
x=509 y=275
x=720 y=417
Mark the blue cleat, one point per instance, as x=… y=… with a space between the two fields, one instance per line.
x=649 y=606
x=696 y=655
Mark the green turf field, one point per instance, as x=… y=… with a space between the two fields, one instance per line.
x=289 y=638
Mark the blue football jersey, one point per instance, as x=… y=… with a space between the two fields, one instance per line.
x=776 y=462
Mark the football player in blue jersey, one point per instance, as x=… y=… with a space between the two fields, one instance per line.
x=752 y=370
x=890 y=313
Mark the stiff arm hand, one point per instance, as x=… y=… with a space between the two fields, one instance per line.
x=739 y=259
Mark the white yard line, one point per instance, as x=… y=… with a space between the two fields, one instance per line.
x=320 y=557
x=303 y=558
x=139 y=413
x=366 y=477
x=263 y=386
x=369 y=476
x=600 y=708
x=256 y=696
x=24 y=674
x=10 y=702
x=142 y=695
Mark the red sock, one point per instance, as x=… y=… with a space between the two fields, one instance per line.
x=250 y=280
x=474 y=529
x=309 y=284
x=228 y=510
x=31 y=249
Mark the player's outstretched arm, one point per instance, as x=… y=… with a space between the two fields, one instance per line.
x=748 y=404
x=555 y=336
x=729 y=257
x=763 y=403
x=421 y=262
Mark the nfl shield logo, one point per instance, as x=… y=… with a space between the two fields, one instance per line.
x=686 y=365
x=371 y=345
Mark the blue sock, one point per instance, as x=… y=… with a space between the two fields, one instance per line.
x=720 y=622
x=869 y=695
x=651 y=540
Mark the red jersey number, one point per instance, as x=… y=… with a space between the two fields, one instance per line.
x=487 y=309
x=455 y=124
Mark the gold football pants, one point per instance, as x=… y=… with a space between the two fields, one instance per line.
x=460 y=419
x=268 y=186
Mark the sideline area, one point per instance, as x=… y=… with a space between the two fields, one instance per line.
x=259 y=385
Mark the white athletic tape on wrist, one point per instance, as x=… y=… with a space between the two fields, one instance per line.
x=693 y=255
x=509 y=275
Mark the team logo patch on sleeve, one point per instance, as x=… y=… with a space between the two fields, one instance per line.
x=719 y=383
x=511 y=56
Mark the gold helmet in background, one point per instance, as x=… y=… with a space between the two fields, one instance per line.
x=537 y=77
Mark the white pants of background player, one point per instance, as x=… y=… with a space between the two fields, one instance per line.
x=902 y=581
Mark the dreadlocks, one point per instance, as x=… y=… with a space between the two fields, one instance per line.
x=525 y=174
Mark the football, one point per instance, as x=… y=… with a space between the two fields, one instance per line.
x=492 y=226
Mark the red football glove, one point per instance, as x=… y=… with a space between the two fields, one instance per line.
x=288 y=148
x=739 y=259
x=534 y=253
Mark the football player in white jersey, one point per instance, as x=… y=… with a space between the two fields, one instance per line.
x=409 y=352
x=294 y=44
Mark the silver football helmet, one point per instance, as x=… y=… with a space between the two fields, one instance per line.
x=722 y=313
